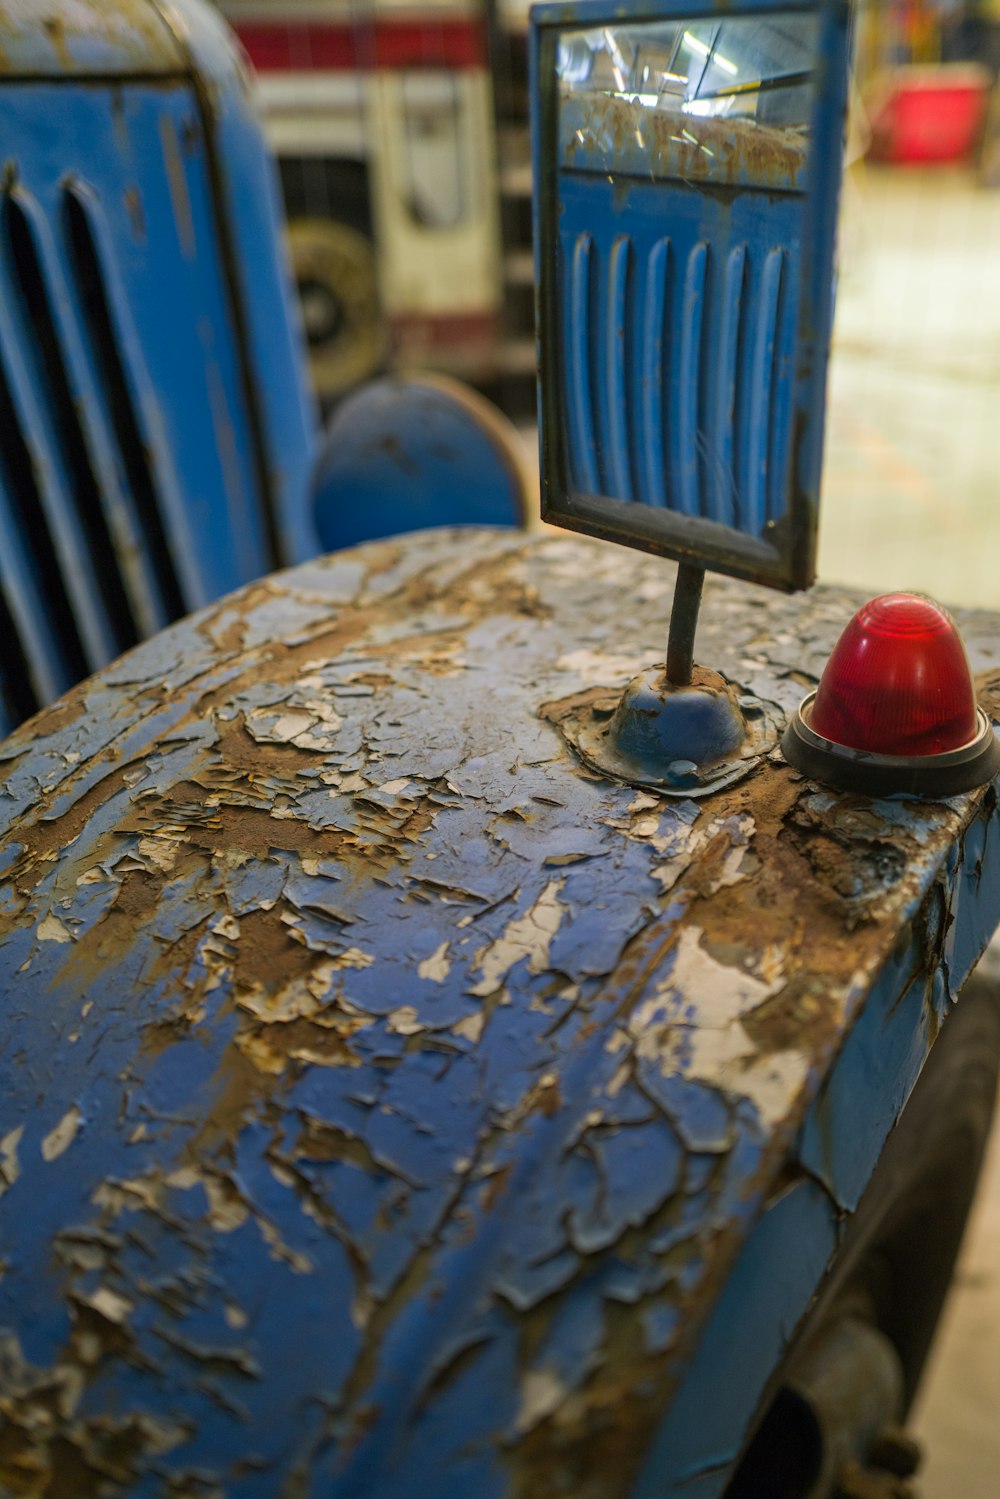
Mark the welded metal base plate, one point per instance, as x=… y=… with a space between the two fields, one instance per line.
x=590 y=724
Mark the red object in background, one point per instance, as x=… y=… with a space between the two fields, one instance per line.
x=426 y=41
x=898 y=681
x=929 y=114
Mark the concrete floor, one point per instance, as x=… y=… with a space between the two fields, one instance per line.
x=958 y=1415
x=912 y=473
x=912 y=500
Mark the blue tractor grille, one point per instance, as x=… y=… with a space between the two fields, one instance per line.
x=130 y=475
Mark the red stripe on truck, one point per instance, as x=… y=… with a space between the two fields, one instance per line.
x=307 y=45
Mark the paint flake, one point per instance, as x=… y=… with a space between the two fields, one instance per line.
x=60 y=1138
x=159 y=852
x=599 y=669
x=691 y=1025
x=128 y=1195
x=529 y=936
x=438 y=966
x=227 y=1210
x=292 y=1001
x=353 y=957
x=108 y=1304
x=542 y=1392
x=405 y=1021
x=10 y=1168
x=184 y=1179
x=471 y=1027
x=281 y=730
x=52 y=930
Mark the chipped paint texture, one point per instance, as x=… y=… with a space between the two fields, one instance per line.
x=380 y=1092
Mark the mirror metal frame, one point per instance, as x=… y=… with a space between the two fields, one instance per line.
x=788 y=560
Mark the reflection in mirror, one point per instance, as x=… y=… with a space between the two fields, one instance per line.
x=715 y=100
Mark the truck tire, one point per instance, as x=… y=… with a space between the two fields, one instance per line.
x=334 y=269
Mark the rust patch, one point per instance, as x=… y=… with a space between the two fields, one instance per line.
x=177 y=180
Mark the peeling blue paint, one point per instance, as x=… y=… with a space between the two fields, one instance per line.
x=380 y=1091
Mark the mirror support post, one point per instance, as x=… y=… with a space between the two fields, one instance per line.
x=683 y=623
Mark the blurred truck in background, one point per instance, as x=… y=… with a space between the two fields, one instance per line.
x=400 y=131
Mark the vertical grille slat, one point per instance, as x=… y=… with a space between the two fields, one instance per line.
x=101 y=604
x=780 y=421
x=18 y=696
x=686 y=448
x=41 y=514
x=94 y=279
x=580 y=399
x=656 y=372
x=759 y=404
x=619 y=331
x=42 y=621
x=721 y=502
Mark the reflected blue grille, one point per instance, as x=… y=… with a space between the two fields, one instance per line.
x=678 y=348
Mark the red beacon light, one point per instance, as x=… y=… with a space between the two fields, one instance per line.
x=895 y=709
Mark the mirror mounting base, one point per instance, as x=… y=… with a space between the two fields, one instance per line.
x=685 y=741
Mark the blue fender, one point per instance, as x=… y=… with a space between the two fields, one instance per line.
x=414 y=451
x=390 y=1105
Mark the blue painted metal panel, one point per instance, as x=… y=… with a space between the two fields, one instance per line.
x=751 y=1327
x=249 y=205
x=381 y=1094
x=685 y=262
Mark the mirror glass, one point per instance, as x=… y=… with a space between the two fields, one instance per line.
x=727 y=101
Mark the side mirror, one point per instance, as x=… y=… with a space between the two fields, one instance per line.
x=687 y=173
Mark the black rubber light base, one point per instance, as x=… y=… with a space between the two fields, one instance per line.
x=833 y=764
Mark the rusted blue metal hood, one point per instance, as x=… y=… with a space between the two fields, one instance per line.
x=48 y=38
x=385 y=1098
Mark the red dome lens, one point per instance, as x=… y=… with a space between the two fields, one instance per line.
x=898 y=681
